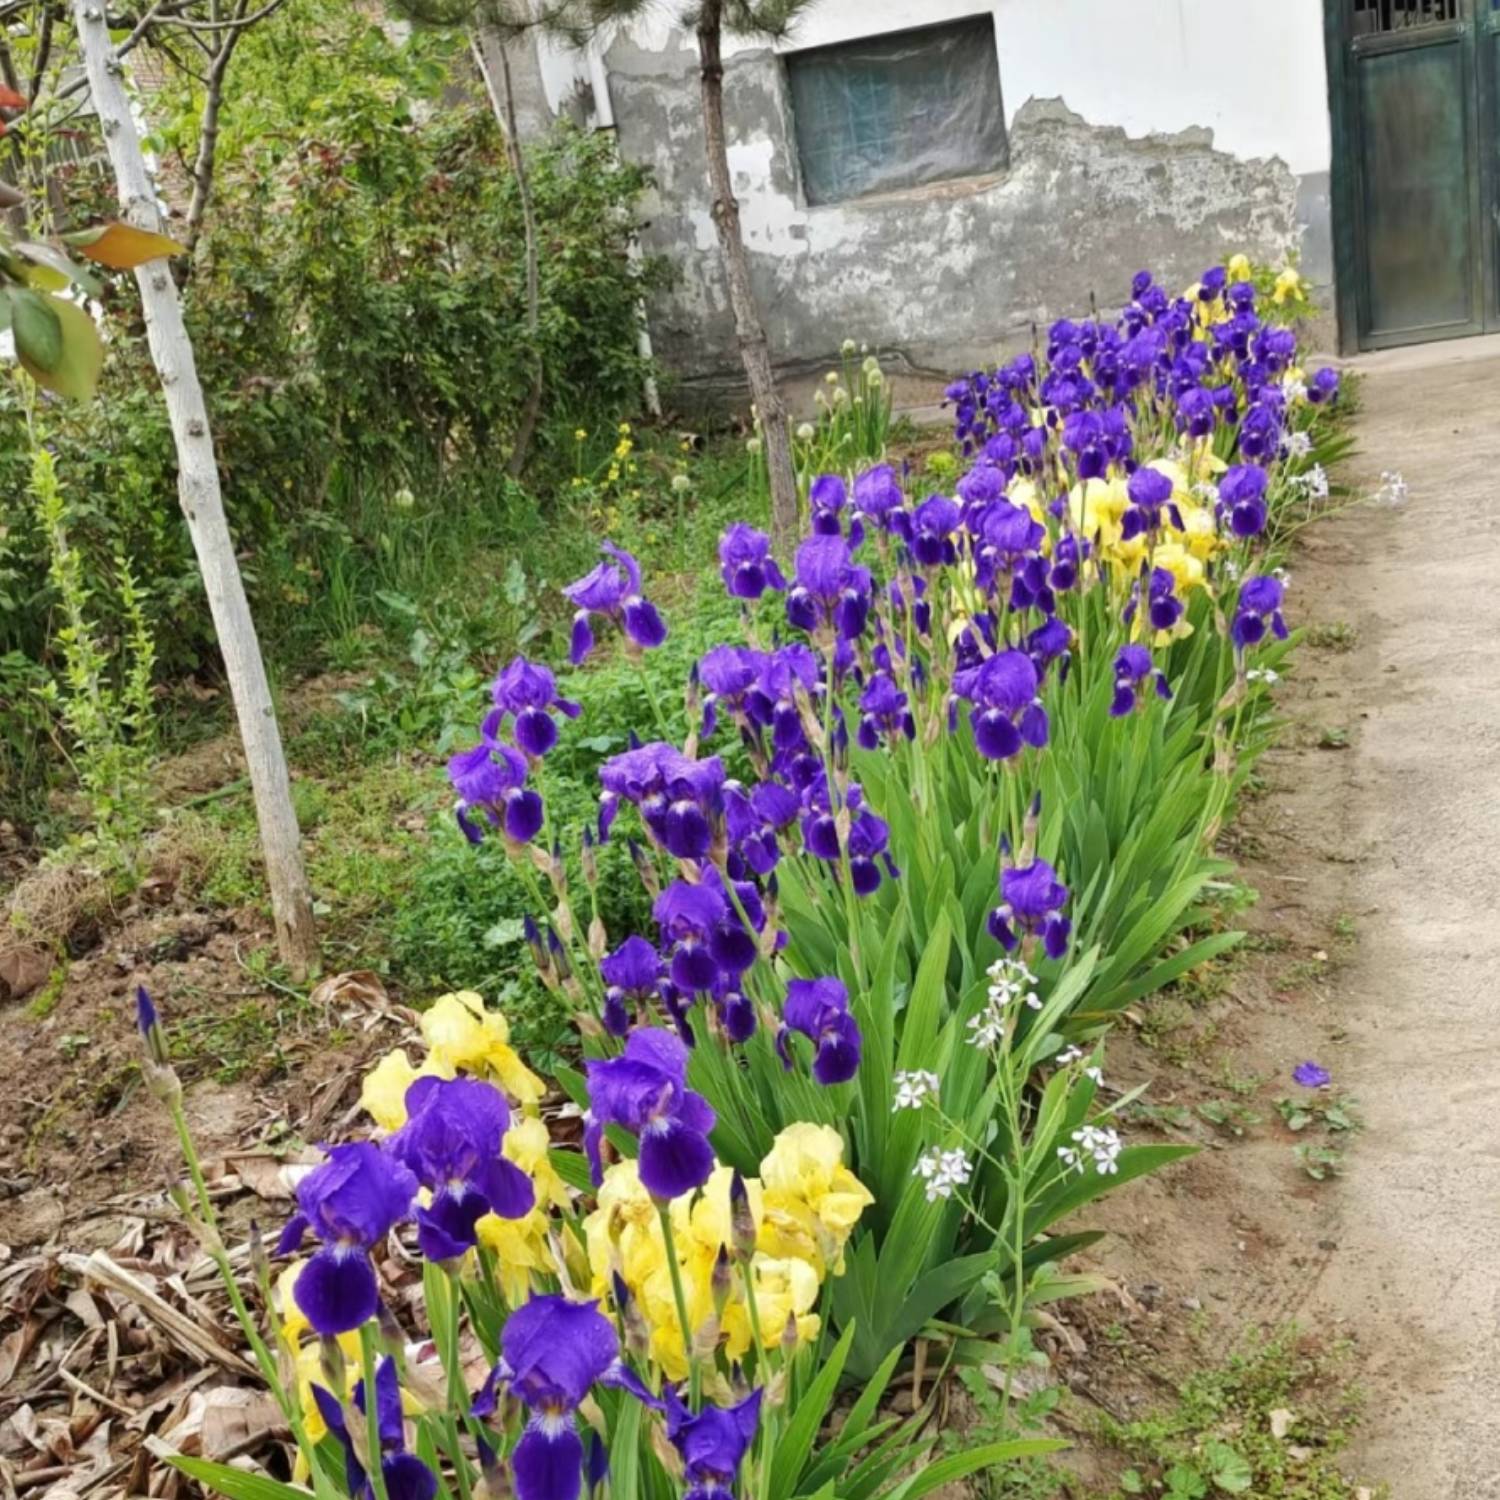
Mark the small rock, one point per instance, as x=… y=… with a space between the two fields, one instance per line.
x=1328 y=1244
x=1192 y=1304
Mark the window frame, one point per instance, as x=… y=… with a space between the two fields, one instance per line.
x=960 y=183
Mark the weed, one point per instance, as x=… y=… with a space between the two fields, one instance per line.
x=1337 y=635
x=1319 y=1162
x=44 y=1002
x=1270 y=1422
x=1333 y=1111
x=1226 y=1115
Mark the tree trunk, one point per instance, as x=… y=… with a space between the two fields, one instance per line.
x=198 y=493
x=208 y=139
x=750 y=331
x=503 y=104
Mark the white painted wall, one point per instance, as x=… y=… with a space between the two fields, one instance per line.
x=1254 y=74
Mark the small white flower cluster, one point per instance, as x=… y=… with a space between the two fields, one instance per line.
x=1207 y=492
x=1393 y=489
x=942 y=1171
x=1293 y=388
x=1095 y=1143
x=913 y=1090
x=1070 y=1055
x=1262 y=674
x=1313 y=484
x=1296 y=444
x=1010 y=980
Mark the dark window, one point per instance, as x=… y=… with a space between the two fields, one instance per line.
x=1397 y=15
x=899 y=110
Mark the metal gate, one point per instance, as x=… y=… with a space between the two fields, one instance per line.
x=1414 y=121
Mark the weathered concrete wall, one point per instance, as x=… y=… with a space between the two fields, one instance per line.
x=940 y=275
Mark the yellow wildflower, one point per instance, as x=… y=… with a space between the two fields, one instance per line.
x=783 y=1289
x=461 y=1034
x=383 y=1094
x=580 y=433
x=1289 y=287
x=812 y=1200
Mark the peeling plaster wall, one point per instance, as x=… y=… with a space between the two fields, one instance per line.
x=1142 y=133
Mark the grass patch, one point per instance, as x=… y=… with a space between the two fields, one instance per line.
x=1271 y=1422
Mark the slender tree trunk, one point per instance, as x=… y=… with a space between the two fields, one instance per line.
x=749 y=329
x=198 y=493
x=503 y=103
x=208 y=139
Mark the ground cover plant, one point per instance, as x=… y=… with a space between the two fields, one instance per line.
x=839 y=1075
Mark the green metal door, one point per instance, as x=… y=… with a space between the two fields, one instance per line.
x=1412 y=98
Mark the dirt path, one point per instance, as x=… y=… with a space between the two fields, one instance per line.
x=1418 y=1212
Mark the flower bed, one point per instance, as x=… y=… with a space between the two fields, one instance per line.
x=948 y=807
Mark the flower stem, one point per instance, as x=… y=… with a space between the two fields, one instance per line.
x=374 y=1469
x=664 y=1212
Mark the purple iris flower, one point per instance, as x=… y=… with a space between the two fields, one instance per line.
x=1133 y=670
x=829 y=589
x=735 y=1012
x=406 y=1476
x=731 y=674
x=451 y=1143
x=819 y=1009
x=932 y=526
x=1148 y=490
x=1259 y=608
x=869 y=836
x=704 y=932
x=632 y=972
x=1007 y=537
x=754 y=818
x=712 y=1444
x=1163 y=607
x=1260 y=432
x=552 y=1353
x=613 y=589
x=527 y=691
x=1242 y=492
x=1049 y=641
x=680 y=800
x=826 y=497
x=490 y=778
x=1324 y=386
x=877 y=494
x=883 y=712
x=1007 y=713
x=1195 y=411
x=746 y=564
x=1031 y=903
x=350 y=1203
x=645 y=1091
x=1311 y=1076
x=1067 y=556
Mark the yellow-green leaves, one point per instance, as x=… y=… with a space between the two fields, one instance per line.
x=56 y=341
x=122 y=247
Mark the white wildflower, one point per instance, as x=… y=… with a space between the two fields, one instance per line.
x=1093 y=1143
x=806 y=432
x=1393 y=489
x=942 y=1171
x=1096 y=1074
x=914 y=1089
x=1296 y=444
x=1294 y=388
x=988 y=1027
x=1069 y=1055
x=847 y=347
x=1263 y=674
x=1313 y=484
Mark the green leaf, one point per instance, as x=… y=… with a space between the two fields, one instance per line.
x=236 y=1483
x=960 y=1465
x=796 y=1442
x=39 y=336
x=1228 y=1470
x=52 y=270
x=77 y=355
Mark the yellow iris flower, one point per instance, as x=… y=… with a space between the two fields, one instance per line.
x=812 y=1200
x=1289 y=287
x=1239 y=268
x=461 y=1034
